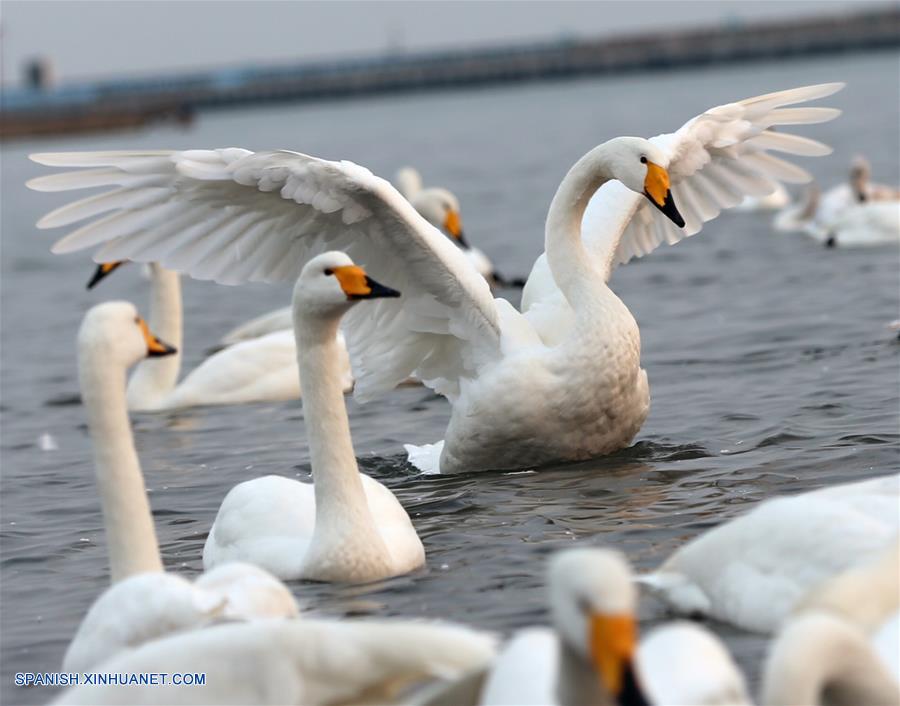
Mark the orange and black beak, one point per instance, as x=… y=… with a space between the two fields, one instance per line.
x=102 y=270
x=155 y=347
x=613 y=643
x=453 y=225
x=656 y=188
x=358 y=285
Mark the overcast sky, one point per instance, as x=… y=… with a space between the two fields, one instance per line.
x=98 y=39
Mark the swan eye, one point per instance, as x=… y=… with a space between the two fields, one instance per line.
x=137 y=320
x=329 y=271
x=643 y=159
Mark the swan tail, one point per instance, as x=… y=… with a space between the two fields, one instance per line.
x=427 y=458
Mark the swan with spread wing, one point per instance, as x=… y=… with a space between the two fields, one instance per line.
x=560 y=380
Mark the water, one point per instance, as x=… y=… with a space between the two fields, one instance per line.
x=770 y=367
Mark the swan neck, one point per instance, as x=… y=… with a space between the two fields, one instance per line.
x=341 y=506
x=577 y=683
x=831 y=663
x=130 y=533
x=155 y=378
x=570 y=263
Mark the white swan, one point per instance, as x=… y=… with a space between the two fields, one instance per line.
x=855 y=214
x=842 y=645
x=143 y=603
x=752 y=571
x=560 y=382
x=821 y=660
x=592 y=656
x=306 y=662
x=260 y=369
x=440 y=207
x=345 y=526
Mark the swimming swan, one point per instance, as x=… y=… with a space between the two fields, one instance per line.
x=591 y=654
x=754 y=570
x=308 y=662
x=440 y=207
x=345 y=526
x=260 y=369
x=560 y=381
x=143 y=603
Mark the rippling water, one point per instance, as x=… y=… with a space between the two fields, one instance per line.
x=770 y=366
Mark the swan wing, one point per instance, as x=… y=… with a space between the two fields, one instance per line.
x=715 y=161
x=753 y=570
x=232 y=216
x=281 y=661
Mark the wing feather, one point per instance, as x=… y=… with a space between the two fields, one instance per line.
x=715 y=160
x=232 y=215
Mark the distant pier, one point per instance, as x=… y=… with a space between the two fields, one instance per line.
x=131 y=103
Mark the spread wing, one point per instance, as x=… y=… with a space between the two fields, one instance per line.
x=232 y=216
x=715 y=160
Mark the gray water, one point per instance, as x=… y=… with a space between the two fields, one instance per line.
x=770 y=366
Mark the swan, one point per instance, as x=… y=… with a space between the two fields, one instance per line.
x=752 y=571
x=591 y=654
x=819 y=659
x=259 y=369
x=440 y=207
x=560 y=380
x=306 y=662
x=143 y=603
x=864 y=224
x=345 y=526
x=855 y=214
x=841 y=645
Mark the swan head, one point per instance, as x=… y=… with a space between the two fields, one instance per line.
x=441 y=208
x=592 y=603
x=643 y=167
x=860 y=171
x=116 y=329
x=331 y=283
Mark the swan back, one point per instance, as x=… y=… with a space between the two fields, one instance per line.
x=683 y=663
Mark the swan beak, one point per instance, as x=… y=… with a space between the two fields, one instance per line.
x=656 y=188
x=453 y=225
x=102 y=270
x=612 y=642
x=155 y=347
x=358 y=285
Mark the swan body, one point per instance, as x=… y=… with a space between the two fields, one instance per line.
x=345 y=526
x=280 y=662
x=684 y=663
x=752 y=571
x=560 y=380
x=143 y=602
